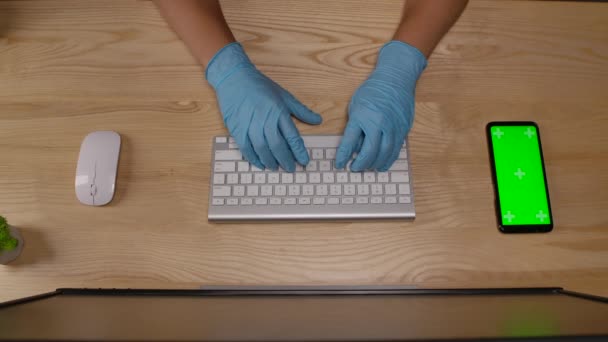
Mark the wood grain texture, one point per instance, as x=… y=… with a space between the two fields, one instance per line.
x=71 y=67
x=527 y=50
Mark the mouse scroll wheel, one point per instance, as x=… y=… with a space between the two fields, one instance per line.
x=93 y=189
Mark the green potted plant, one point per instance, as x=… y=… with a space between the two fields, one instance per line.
x=11 y=242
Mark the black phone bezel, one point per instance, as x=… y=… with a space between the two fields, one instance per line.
x=529 y=228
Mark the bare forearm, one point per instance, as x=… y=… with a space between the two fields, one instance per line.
x=199 y=23
x=425 y=22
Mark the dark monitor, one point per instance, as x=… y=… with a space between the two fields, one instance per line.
x=536 y=314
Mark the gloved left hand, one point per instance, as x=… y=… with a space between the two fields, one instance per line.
x=257 y=111
x=381 y=111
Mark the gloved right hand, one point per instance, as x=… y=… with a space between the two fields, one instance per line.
x=381 y=112
x=257 y=111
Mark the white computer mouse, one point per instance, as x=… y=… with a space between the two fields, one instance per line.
x=97 y=166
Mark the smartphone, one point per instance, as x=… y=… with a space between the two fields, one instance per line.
x=518 y=173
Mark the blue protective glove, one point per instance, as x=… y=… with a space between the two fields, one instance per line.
x=381 y=111
x=257 y=111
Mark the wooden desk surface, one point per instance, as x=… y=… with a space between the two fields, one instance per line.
x=71 y=67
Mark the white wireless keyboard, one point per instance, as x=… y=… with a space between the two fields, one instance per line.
x=240 y=191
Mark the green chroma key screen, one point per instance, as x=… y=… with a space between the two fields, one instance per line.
x=519 y=175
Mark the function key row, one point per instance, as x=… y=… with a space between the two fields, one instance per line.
x=231 y=161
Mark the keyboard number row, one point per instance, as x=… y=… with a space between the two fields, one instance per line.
x=312 y=177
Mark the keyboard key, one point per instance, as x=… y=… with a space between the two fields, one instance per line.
x=224 y=166
x=328 y=177
x=232 y=178
x=304 y=200
x=376 y=200
x=403 y=154
x=308 y=190
x=390 y=200
x=246 y=201
x=349 y=189
x=400 y=177
x=243 y=166
x=261 y=201
x=253 y=190
x=318 y=200
x=333 y=200
x=325 y=165
x=377 y=189
x=299 y=168
x=321 y=190
x=347 y=200
x=342 y=177
x=335 y=190
x=287 y=178
x=362 y=200
x=355 y=177
x=221 y=191
x=238 y=191
x=300 y=177
x=405 y=199
x=312 y=166
x=294 y=190
x=232 y=201
x=382 y=177
x=404 y=189
x=275 y=201
x=289 y=201
x=266 y=190
x=246 y=178
x=273 y=178
x=369 y=177
x=330 y=153
x=390 y=189
x=231 y=140
x=228 y=155
x=399 y=165
x=363 y=189
x=317 y=153
x=314 y=177
x=221 y=140
x=280 y=190
x=256 y=169
x=233 y=146
x=219 y=178
x=260 y=178
x=218 y=201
